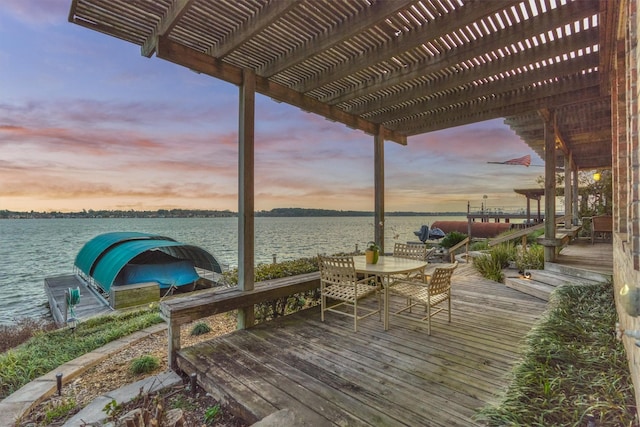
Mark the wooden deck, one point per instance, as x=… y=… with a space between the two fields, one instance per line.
x=582 y=254
x=329 y=375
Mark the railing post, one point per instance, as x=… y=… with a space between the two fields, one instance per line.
x=174 y=344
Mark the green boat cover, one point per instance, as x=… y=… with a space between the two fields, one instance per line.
x=105 y=257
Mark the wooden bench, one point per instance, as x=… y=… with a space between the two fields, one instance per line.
x=602 y=225
x=184 y=309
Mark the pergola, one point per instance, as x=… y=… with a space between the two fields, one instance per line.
x=393 y=69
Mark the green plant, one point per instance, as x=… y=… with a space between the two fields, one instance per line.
x=112 y=408
x=58 y=410
x=452 y=239
x=489 y=267
x=503 y=253
x=372 y=246
x=200 y=328
x=491 y=264
x=182 y=402
x=211 y=413
x=531 y=258
x=532 y=238
x=144 y=365
x=479 y=246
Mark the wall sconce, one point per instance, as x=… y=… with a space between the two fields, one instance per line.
x=597 y=176
x=630 y=300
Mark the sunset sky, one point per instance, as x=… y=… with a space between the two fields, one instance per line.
x=86 y=122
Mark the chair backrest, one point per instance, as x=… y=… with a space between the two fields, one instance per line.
x=337 y=270
x=441 y=279
x=602 y=223
x=407 y=250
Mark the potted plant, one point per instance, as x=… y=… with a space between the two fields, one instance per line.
x=372 y=253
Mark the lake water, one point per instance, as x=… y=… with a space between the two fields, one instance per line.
x=32 y=249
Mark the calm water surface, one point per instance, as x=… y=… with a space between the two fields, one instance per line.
x=32 y=249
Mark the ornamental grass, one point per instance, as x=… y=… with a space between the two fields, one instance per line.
x=573 y=368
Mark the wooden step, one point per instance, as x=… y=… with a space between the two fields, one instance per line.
x=530 y=287
x=577 y=272
x=556 y=279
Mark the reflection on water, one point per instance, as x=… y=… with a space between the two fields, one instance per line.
x=31 y=250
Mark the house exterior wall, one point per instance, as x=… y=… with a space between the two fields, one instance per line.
x=626 y=171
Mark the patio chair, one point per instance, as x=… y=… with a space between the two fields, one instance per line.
x=338 y=282
x=601 y=226
x=433 y=294
x=418 y=252
x=412 y=251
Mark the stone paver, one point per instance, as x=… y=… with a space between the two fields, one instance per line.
x=94 y=413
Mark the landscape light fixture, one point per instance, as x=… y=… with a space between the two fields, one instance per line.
x=59 y=383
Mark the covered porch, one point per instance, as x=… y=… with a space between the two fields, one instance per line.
x=395 y=69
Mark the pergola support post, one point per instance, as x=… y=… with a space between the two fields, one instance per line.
x=379 y=188
x=246 y=246
x=549 y=189
x=568 y=192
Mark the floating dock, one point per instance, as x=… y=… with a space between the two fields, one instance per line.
x=91 y=304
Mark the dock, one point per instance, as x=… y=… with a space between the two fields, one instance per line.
x=91 y=304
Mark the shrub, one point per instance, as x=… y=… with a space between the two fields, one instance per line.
x=479 y=246
x=532 y=238
x=285 y=305
x=200 y=328
x=503 y=253
x=489 y=267
x=13 y=335
x=144 y=365
x=531 y=258
x=452 y=239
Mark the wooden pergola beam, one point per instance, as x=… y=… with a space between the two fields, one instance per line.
x=202 y=63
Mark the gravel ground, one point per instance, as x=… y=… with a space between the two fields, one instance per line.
x=115 y=372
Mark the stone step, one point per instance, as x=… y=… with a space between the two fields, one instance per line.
x=577 y=272
x=530 y=287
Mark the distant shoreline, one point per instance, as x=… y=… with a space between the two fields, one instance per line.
x=195 y=213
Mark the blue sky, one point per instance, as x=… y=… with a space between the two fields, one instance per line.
x=86 y=122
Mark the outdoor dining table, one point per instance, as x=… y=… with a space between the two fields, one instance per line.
x=385 y=269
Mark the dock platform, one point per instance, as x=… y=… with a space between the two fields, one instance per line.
x=90 y=304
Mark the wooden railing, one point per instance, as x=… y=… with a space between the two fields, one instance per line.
x=563 y=235
x=452 y=250
x=185 y=309
x=522 y=233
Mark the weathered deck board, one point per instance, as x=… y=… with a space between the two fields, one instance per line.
x=330 y=375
